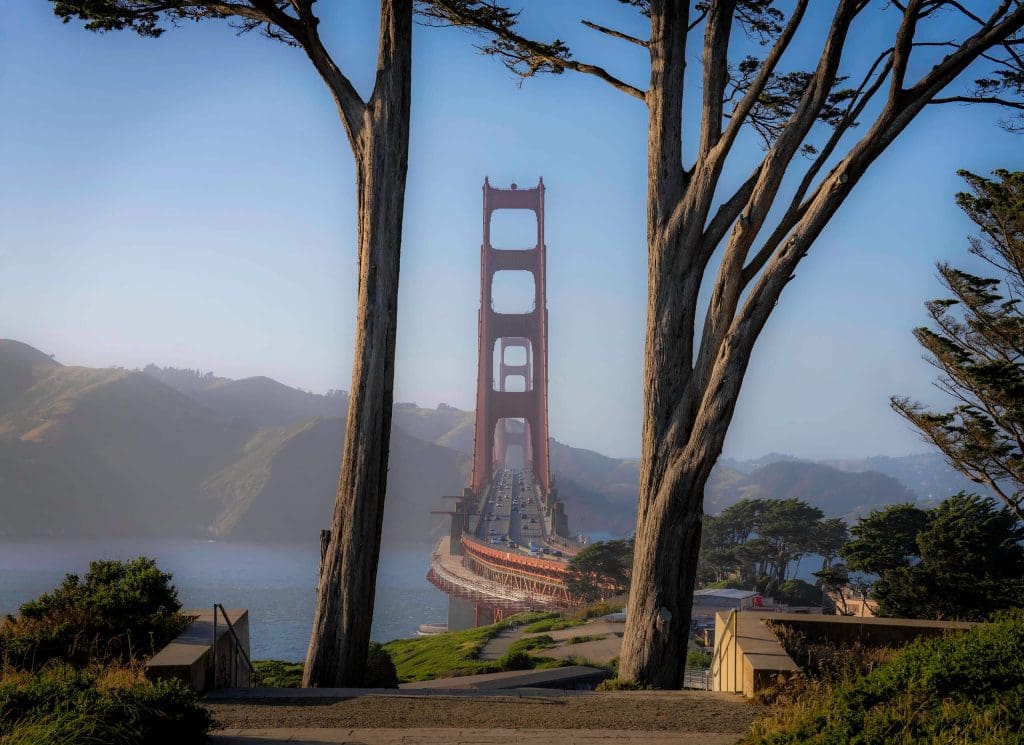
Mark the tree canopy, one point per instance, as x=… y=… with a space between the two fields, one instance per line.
x=601 y=570
x=977 y=344
x=755 y=542
x=968 y=560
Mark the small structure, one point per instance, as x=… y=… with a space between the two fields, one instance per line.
x=706 y=603
x=213 y=652
x=748 y=656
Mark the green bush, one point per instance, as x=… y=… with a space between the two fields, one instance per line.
x=798 y=592
x=962 y=687
x=119 y=611
x=61 y=704
x=698 y=658
x=380 y=670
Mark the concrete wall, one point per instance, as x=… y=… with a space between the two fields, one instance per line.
x=748 y=656
x=191 y=656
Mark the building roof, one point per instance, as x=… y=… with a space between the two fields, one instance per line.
x=729 y=594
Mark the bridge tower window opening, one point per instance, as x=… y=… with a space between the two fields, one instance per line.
x=513 y=291
x=512 y=443
x=513 y=356
x=514 y=230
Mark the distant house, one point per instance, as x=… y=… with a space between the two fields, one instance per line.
x=708 y=602
x=854 y=603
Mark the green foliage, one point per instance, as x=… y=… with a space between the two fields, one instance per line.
x=118 y=611
x=977 y=342
x=971 y=564
x=618 y=684
x=380 y=669
x=601 y=570
x=798 y=592
x=278 y=674
x=518 y=657
x=586 y=638
x=450 y=654
x=552 y=624
x=962 y=687
x=698 y=658
x=598 y=609
x=61 y=704
x=754 y=542
x=886 y=539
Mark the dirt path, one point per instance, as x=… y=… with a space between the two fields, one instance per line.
x=639 y=711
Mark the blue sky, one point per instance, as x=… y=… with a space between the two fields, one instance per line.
x=189 y=201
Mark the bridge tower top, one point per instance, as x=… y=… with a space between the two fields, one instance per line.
x=508 y=418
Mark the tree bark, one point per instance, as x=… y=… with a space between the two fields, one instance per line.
x=340 y=639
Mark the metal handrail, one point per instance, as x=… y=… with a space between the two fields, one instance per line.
x=719 y=655
x=237 y=646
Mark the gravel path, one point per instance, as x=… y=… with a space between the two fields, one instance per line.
x=663 y=711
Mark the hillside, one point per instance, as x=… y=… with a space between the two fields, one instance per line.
x=96 y=452
x=166 y=451
x=283 y=488
x=261 y=400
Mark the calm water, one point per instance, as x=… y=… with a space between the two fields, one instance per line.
x=277 y=583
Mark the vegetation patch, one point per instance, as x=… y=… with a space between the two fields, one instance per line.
x=586 y=638
x=451 y=654
x=698 y=658
x=965 y=686
x=600 y=608
x=278 y=673
x=618 y=684
x=120 y=611
x=553 y=624
x=113 y=705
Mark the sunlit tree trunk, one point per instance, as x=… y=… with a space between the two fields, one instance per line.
x=341 y=628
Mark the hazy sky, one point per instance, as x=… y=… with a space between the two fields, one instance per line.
x=189 y=201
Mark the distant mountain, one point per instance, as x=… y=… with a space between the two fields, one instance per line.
x=113 y=452
x=837 y=493
x=261 y=400
x=284 y=486
x=166 y=451
x=926 y=474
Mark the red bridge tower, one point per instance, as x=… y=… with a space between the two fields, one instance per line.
x=504 y=417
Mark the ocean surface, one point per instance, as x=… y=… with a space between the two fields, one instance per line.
x=277 y=583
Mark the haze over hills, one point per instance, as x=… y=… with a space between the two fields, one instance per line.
x=171 y=452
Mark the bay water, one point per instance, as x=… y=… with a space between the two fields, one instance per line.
x=277 y=583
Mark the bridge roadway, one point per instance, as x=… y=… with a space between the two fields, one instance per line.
x=511 y=517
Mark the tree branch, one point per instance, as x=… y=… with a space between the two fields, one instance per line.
x=458 y=13
x=616 y=34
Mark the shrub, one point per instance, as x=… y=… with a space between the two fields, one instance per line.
x=119 y=611
x=698 y=658
x=61 y=704
x=380 y=670
x=962 y=687
x=798 y=592
x=600 y=608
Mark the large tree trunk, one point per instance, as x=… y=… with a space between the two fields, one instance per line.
x=340 y=640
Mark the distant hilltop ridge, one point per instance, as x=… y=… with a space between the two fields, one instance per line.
x=169 y=452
